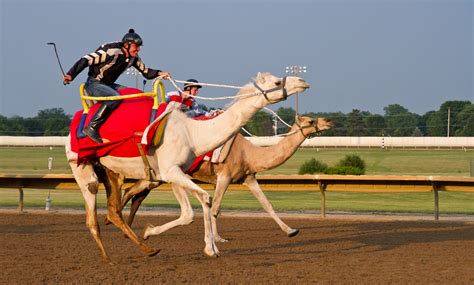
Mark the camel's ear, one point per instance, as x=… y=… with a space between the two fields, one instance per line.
x=260 y=78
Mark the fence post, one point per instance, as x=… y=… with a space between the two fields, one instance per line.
x=322 y=189
x=20 y=202
x=472 y=167
x=436 y=201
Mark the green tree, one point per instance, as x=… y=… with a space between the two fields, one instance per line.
x=54 y=121
x=3 y=125
x=260 y=124
x=455 y=107
x=375 y=124
x=16 y=126
x=287 y=115
x=465 y=118
x=436 y=125
x=400 y=122
x=355 y=124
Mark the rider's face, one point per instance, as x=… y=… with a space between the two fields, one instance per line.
x=134 y=49
x=193 y=91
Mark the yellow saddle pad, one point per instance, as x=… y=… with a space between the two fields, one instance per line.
x=158 y=135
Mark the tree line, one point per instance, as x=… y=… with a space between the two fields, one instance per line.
x=396 y=121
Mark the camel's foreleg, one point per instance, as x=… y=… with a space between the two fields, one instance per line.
x=176 y=176
x=186 y=217
x=252 y=183
x=89 y=185
x=222 y=184
x=113 y=183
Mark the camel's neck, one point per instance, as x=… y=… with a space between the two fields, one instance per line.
x=210 y=134
x=265 y=158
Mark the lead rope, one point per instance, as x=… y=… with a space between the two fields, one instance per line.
x=173 y=82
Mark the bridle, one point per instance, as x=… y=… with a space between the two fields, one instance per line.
x=301 y=128
x=265 y=92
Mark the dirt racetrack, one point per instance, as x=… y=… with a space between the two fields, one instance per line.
x=57 y=248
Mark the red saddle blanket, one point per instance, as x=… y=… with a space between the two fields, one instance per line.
x=123 y=128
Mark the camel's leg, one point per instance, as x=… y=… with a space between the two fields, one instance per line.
x=221 y=187
x=113 y=182
x=139 y=194
x=186 y=217
x=136 y=202
x=176 y=176
x=89 y=185
x=252 y=184
x=138 y=187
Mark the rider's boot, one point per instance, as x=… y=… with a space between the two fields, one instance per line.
x=91 y=130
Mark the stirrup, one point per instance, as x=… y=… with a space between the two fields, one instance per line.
x=92 y=134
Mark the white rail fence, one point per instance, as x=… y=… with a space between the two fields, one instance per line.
x=316 y=142
x=291 y=183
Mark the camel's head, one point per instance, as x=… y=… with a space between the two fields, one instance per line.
x=276 y=89
x=310 y=126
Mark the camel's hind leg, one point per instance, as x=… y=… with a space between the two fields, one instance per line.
x=136 y=192
x=221 y=187
x=252 y=183
x=89 y=185
x=113 y=183
x=136 y=202
x=186 y=217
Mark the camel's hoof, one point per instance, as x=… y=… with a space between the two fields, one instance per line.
x=293 y=232
x=219 y=239
x=107 y=221
x=153 y=252
x=107 y=260
x=145 y=231
x=213 y=254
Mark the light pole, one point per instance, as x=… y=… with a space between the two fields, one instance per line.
x=295 y=70
x=132 y=71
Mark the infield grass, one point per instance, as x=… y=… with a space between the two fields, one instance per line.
x=34 y=160
x=449 y=202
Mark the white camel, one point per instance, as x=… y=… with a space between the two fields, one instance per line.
x=242 y=163
x=184 y=139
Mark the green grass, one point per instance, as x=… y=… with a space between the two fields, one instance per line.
x=34 y=160
x=389 y=162
x=452 y=203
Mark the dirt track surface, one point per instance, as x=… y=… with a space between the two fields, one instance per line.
x=58 y=248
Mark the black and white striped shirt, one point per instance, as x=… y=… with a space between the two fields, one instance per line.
x=108 y=62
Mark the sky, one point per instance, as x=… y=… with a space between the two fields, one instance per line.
x=359 y=54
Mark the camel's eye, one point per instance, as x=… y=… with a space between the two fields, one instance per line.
x=278 y=83
x=311 y=122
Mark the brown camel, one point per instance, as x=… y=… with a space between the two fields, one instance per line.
x=243 y=162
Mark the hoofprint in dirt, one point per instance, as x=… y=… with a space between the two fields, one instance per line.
x=57 y=248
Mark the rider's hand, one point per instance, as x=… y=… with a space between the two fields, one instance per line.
x=165 y=75
x=216 y=112
x=67 y=79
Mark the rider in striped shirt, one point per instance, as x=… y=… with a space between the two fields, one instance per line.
x=106 y=64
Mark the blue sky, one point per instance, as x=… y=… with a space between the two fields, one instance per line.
x=360 y=54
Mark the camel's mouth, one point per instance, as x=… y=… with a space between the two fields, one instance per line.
x=302 y=86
